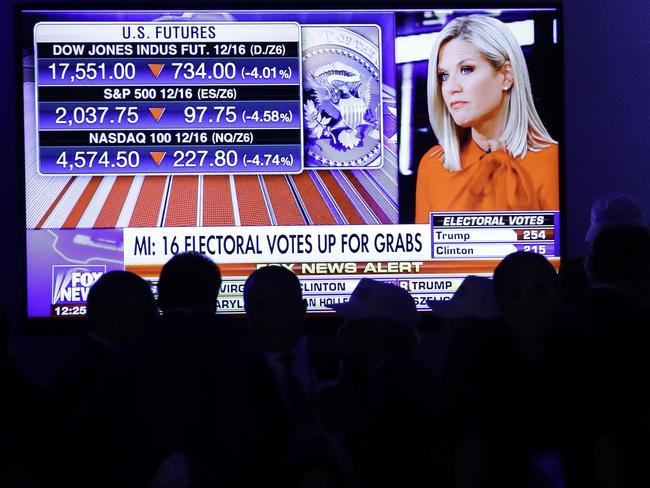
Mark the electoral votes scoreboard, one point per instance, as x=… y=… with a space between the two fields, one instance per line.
x=168 y=98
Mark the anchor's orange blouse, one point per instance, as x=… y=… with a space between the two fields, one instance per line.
x=487 y=181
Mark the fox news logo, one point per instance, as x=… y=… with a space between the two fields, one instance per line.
x=71 y=284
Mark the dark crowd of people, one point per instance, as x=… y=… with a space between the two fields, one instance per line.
x=541 y=386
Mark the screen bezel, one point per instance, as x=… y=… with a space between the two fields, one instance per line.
x=76 y=325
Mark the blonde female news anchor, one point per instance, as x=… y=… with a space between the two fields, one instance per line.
x=494 y=152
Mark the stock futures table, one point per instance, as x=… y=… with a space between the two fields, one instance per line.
x=148 y=98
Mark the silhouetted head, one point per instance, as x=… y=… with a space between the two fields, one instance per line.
x=527 y=292
x=189 y=281
x=615 y=209
x=474 y=298
x=620 y=257
x=120 y=305
x=380 y=319
x=274 y=307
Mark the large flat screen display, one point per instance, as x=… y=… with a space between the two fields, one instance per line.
x=410 y=146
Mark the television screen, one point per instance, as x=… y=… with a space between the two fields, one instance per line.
x=410 y=146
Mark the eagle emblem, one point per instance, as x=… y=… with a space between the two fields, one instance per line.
x=339 y=105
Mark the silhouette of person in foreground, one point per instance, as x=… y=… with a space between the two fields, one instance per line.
x=204 y=383
x=603 y=365
x=21 y=419
x=275 y=312
x=610 y=210
x=496 y=378
x=174 y=398
x=120 y=308
x=294 y=448
x=392 y=409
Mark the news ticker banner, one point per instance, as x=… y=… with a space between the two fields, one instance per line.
x=164 y=97
x=329 y=260
x=321 y=293
x=450 y=236
x=430 y=261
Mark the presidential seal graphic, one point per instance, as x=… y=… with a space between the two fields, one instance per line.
x=342 y=97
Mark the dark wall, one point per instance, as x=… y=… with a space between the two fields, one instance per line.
x=607 y=93
x=607 y=137
x=12 y=228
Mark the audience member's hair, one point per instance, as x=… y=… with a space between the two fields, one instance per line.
x=621 y=256
x=512 y=271
x=611 y=210
x=189 y=280
x=274 y=307
x=265 y=285
x=120 y=301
